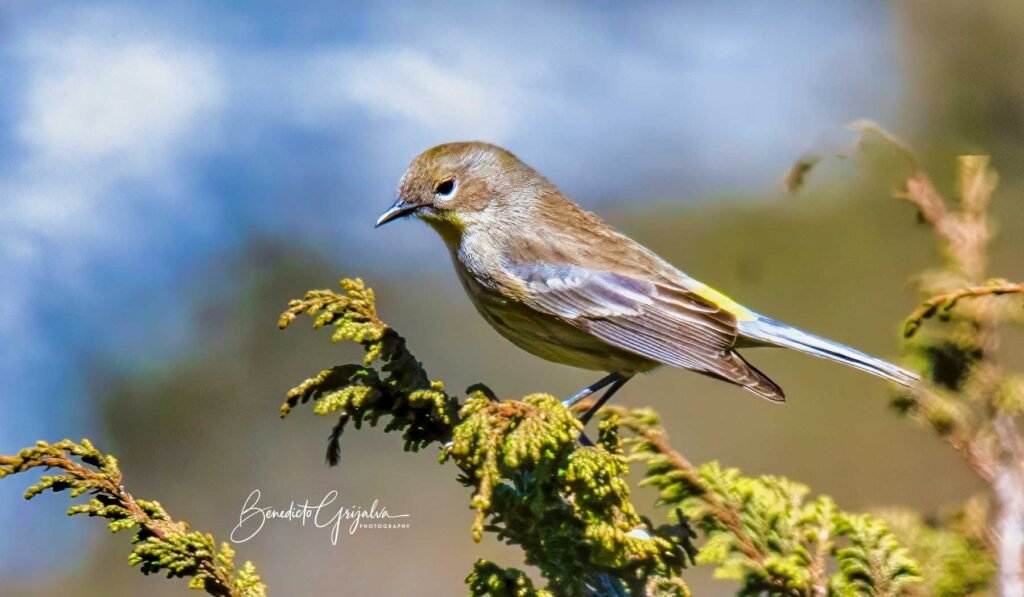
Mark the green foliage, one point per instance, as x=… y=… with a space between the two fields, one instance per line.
x=399 y=390
x=763 y=531
x=568 y=506
x=873 y=563
x=488 y=578
x=955 y=557
x=161 y=544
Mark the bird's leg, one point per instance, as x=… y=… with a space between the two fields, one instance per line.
x=617 y=380
x=621 y=381
x=587 y=391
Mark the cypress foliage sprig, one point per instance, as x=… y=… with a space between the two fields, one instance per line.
x=161 y=543
x=488 y=578
x=764 y=531
x=399 y=390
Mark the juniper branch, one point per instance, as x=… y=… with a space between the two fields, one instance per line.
x=567 y=506
x=762 y=531
x=161 y=543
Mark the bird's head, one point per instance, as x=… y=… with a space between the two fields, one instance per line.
x=457 y=186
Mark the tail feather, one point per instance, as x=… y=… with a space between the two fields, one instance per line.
x=767 y=331
x=759 y=383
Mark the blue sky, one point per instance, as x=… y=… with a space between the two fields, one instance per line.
x=139 y=140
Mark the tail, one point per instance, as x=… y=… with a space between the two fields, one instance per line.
x=765 y=331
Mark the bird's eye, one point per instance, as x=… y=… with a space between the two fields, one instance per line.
x=445 y=187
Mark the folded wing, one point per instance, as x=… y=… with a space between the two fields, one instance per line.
x=658 y=320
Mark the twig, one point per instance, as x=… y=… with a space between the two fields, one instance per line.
x=945 y=302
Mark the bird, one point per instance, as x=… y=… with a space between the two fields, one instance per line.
x=560 y=283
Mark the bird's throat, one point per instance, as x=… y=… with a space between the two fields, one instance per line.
x=448 y=226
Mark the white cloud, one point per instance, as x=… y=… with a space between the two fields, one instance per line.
x=405 y=83
x=403 y=86
x=134 y=101
x=99 y=109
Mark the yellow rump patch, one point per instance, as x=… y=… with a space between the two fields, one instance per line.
x=727 y=304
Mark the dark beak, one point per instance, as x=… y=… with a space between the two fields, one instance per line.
x=398 y=209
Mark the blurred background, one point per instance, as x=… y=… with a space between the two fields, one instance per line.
x=170 y=175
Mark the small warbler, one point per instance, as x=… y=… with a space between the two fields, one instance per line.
x=560 y=283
